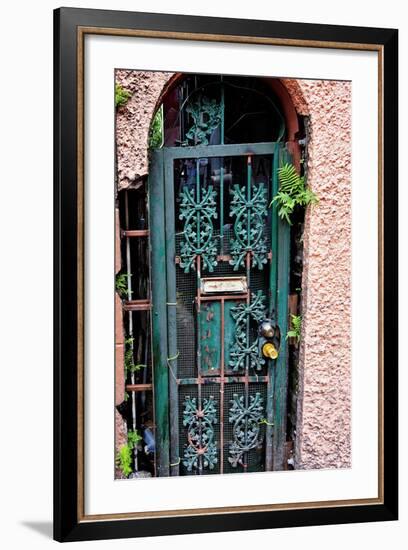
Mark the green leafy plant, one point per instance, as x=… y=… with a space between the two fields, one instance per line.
x=129 y=362
x=156 y=130
x=124 y=456
x=296 y=323
x=292 y=192
x=133 y=438
x=124 y=460
x=121 y=96
x=121 y=284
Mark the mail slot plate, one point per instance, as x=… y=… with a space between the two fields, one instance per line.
x=224 y=285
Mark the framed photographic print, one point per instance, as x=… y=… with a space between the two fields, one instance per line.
x=225 y=274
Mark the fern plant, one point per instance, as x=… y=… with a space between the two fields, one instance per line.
x=129 y=362
x=121 y=284
x=121 y=95
x=124 y=456
x=292 y=192
x=296 y=323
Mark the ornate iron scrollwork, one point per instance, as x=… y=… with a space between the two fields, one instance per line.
x=246 y=427
x=198 y=228
x=249 y=207
x=201 y=451
x=242 y=348
x=206 y=114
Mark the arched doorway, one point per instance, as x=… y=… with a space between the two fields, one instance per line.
x=220 y=260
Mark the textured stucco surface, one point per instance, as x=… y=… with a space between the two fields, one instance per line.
x=133 y=123
x=324 y=412
x=324 y=396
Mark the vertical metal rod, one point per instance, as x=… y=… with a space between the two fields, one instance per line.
x=248 y=198
x=222 y=387
x=198 y=198
x=129 y=294
x=199 y=379
x=273 y=275
x=222 y=207
x=222 y=105
x=281 y=374
x=159 y=314
x=274 y=233
x=222 y=170
x=248 y=273
x=198 y=266
x=171 y=289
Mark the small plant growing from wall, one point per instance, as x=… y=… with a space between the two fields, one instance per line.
x=296 y=324
x=129 y=362
x=124 y=455
x=292 y=192
x=121 y=284
x=121 y=95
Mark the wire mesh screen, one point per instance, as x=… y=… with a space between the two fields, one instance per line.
x=191 y=392
x=186 y=345
x=218 y=185
x=254 y=459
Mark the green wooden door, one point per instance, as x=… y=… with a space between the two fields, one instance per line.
x=220 y=268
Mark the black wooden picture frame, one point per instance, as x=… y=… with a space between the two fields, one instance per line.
x=70 y=25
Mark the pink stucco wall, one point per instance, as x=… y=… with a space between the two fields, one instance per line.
x=324 y=392
x=324 y=412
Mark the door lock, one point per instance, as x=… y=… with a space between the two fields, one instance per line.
x=269 y=351
x=269 y=339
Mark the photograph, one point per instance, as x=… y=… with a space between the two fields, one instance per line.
x=232 y=274
x=225 y=266
x=201 y=204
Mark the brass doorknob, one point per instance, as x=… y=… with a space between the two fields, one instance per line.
x=269 y=351
x=267 y=329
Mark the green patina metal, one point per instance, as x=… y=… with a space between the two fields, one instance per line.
x=249 y=208
x=243 y=351
x=201 y=451
x=281 y=370
x=210 y=319
x=269 y=439
x=207 y=115
x=159 y=315
x=196 y=448
x=246 y=421
x=198 y=210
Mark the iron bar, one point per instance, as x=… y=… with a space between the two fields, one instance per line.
x=136 y=305
x=273 y=270
x=211 y=151
x=129 y=293
x=238 y=296
x=219 y=379
x=222 y=209
x=135 y=232
x=159 y=315
x=199 y=379
x=281 y=370
x=222 y=169
x=171 y=318
x=222 y=389
x=274 y=233
x=139 y=387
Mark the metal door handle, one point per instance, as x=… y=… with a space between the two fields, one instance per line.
x=269 y=351
x=269 y=339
